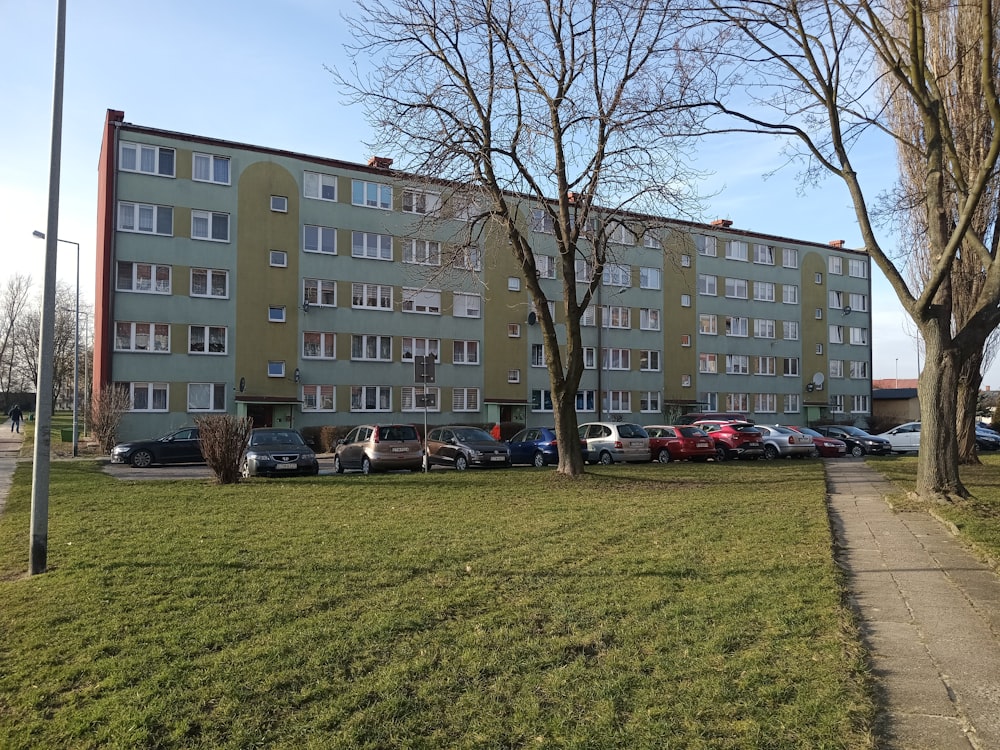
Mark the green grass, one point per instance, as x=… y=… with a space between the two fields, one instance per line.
x=679 y=606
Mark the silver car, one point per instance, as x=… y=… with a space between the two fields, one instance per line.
x=904 y=438
x=612 y=442
x=780 y=442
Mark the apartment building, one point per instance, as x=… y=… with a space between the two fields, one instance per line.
x=303 y=291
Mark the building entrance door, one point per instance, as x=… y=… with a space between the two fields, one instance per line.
x=261 y=414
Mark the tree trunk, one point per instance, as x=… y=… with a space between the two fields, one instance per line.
x=970 y=379
x=570 y=457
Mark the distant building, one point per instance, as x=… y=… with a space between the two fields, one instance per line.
x=301 y=290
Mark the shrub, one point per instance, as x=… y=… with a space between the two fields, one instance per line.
x=224 y=440
x=106 y=412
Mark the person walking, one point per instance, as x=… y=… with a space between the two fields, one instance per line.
x=15 y=418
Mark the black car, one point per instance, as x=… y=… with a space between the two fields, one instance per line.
x=463 y=447
x=180 y=447
x=859 y=442
x=276 y=451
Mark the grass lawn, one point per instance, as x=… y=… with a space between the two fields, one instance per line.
x=678 y=606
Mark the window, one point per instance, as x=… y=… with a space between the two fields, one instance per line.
x=276 y=314
x=858 y=369
x=737 y=326
x=537 y=355
x=858 y=302
x=138 y=157
x=649 y=278
x=278 y=259
x=736 y=288
x=651 y=241
x=836 y=299
x=837 y=404
x=206 y=340
x=836 y=368
x=621 y=234
x=737 y=364
x=649 y=401
x=763 y=328
x=371 y=296
x=583 y=271
x=819 y=313
x=586 y=400
x=316 y=239
x=737 y=402
x=372 y=348
x=790 y=366
x=589 y=317
x=209 y=282
x=371 y=195
x=790 y=330
x=616 y=359
x=616 y=316
x=411 y=398
x=859 y=336
x=649 y=318
x=467 y=258
x=206 y=397
x=819 y=348
x=210 y=168
x=147 y=278
x=792 y=403
x=371 y=398
x=763 y=254
x=322 y=292
x=149 y=396
x=142 y=337
x=708 y=363
x=706 y=244
x=763 y=291
x=422 y=252
x=145 y=219
x=420 y=202
x=321 y=187
x=790 y=294
x=836 y=334
x=541 y=400
x=711 y=400
x=466 y=305
x=616 y=274
x=275 y=368
x=765 y=366
x=590 y=357
x=685 y=300
x=685 y=339
x=371 y=245
x=545 y=265
x=685 y=381
x=513 y=284
x=465 y=353
x=514 y=330
x=789 y=257
x=618 y=402
x=859 y=405
x=319 y=345
x=542 y=221
x=765 y=403
x=708 y=324
x=835 y=265
x=707 y=285
x=465 y=399
x=819 y=278
x=736 y=250
x=318 y=398
x=418 y=347
x=279 y=203
x=513 y=376
x=210 y=225
x=857 y=268
x=685 y=261
x=649 y=360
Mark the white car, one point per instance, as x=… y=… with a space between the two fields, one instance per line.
x=904 y=438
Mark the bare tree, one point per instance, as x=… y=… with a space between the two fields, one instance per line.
x=63 y=341
x=106 y=412
x=224 y=439
x=559 y=116
x=14 y=300
x=812 y=71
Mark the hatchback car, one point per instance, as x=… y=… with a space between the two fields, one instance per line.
x=987 y=439
x=824 y=446
x=781 y=442
x=536 y=446
x=463 y=447
x=275 y=451
x=734 y=439
x=379 y=447
x=858 y=441
x=905 y=438
x=679 y=442
x=179 y=447
x=612 y=442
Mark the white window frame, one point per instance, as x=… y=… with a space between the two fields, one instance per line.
x=707 y=245
x=650 y=278
x=279 y=204
x=325 y=345
x=465 y=399
x=790 y=330
x=617 y=402
x=276 y=314
x=158 y=154
x=737 y=250
x=210 y=275
x=649 y=401
x=409 y=396
x=708 y=324
x=736 y=288
x=319 y=397
x=318 y=292
x=316 y=237
x=590 y=358
x=371 y=245
x=857 y=268
x=617 y=274
x=537 y=354
x=763 y=254
x=276 y=368
x=135 y=212
x=860 y=404
x=763 y=291
x=382 y=297
x=616 y=316
x=738 y=326
x=136 y=330
x=198 y=393
x=835 y=334
x=514 y=330
x=737 y=364
x=212 y=160
x=858 y=302
x=422 y=252
x=685 y=260
x=586 y=400
x=738 y=402
x=137 y=280
x=836 y=368
x=858 y=369
x=371 y=398
x=837 y=404
x=154 y=393
x=789 y=257
x=466 y=305
x=362 y=343
x=541 y=400
x=315 y=184
x=708 y=285
x=792 y=403
x=764 y=328
x=649 y=319
x=277 y=259
x=466 y=352
x=791 y=367
x=765 y=403
x=790 y=294
x=766 y=366
x=650 y=360
x=514 y=375
x=835 y=265
x=685 y=300
x=370 y=194
x=859 y=336
x=708 y=363
x=417 y=346
x=545 y=265
x=214 y=221
x=421 y=202
x=207 y=334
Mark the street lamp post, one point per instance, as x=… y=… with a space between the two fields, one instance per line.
x=76 y=350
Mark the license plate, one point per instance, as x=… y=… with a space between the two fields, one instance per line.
x=281 y=467
x=753 y=445
x=636 y=444
x=701 y=445
x=400 y=449
x=497 y=458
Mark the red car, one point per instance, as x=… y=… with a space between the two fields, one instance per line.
x=734 y=439
x=678 y=442
x=827 y=447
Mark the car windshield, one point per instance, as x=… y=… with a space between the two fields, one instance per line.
x=473 y=433
x=691 y=432
x=809 y=431
x=745 y=428
x=631 y=431
x=855 y=431
x=397 y=432
x=276 y=438
x=782 y=430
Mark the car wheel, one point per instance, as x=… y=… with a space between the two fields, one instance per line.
x=461 y=463
x=721 y=454
x=142 y=459
x=663 y=456
x=770 y=452
x=366 y=465
x=539 y=460
x=245 y=470
x=338 y=468
x=606 y=458
x=857 y=451
x=814 y=453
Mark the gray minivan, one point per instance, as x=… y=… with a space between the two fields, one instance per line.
x=611 y=442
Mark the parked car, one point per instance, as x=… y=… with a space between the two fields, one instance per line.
x=734 y=439
x=379 y=447
x=714 y=416
x=987 y=439
x=178 y=447
x=613 y=442
x=536 y=446
x=783 y=442
x=858 y=441
x=679 y=442
x=463 y=447
x=824 y=446
x=904 y=438
x=277 y=451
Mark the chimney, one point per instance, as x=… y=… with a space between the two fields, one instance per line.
x=836 y=243
x=571 y=196
x=380 y=162
x=725 y=223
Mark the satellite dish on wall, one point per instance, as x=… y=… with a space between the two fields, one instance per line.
x=817 y=381
x=532 y=318
x=847 y=309
x=243 y=384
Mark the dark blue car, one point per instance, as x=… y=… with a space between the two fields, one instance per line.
x=536 y=446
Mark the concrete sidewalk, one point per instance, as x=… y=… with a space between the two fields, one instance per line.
x=10 y=447
x=929 y=612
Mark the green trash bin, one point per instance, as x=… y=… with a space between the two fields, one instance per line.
x=67 y=435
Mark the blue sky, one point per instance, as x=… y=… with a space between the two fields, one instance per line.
x=254 y=72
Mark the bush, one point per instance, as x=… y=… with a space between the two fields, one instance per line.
x=224 y=440
x=106 y=412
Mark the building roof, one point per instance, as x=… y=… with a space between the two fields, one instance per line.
x=893 y=394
